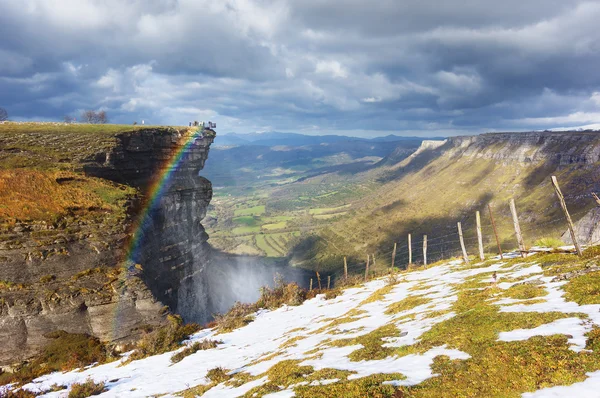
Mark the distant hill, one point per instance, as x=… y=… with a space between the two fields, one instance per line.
x=294 y=139
x=442 y=183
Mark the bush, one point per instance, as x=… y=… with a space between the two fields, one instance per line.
x=89 y=388
x=65 y=351
x=238 y=316
x=164 y=339
x=197 y=346
x=218 y=375
x=282 y=293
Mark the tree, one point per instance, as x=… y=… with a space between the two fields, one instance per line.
x=3 y=115
x=101 y=117
x=90 y=116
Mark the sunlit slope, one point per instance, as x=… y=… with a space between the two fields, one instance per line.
x=431 y=191
x=445 y=331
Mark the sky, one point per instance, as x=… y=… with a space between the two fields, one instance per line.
x=363 y=68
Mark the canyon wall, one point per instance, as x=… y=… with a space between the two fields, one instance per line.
x=80 y=276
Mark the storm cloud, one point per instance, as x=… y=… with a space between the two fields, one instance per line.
x=413 y=67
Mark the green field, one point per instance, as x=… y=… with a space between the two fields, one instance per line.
x=328 y=210
x=255 y=210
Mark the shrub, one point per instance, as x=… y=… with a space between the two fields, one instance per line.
x=238 y=316
x=164 y=339
x=65 y=351
x=197 y=346
x=86 y=389
x=218 y=375
x=282 y=293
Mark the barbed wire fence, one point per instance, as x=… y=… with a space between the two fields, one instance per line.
x=431 y=247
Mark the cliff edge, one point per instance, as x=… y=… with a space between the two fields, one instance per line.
x=72 y=200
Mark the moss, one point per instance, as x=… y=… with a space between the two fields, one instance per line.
x=406 y=304
x=506 y=369
x=378 y=294
x=591 y=252
x=371 y=386
x=525 y=291
x=584 y=289
x=372 y=343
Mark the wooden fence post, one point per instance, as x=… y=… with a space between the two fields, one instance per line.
x=367 y=268
x=328 y=282
x=462 y=245
x=513 y=210
x=345 y=269
x=393 y=258
x=479 y=237
x=425 y=250
x=310 y=288
x=561 y=198
x=495 y=232
x=319 y=280
x=409 y=251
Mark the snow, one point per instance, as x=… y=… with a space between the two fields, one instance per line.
x=245 y=349
x=587 y=388
x=575 y=326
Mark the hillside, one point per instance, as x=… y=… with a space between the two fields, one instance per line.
x=446 y=182
x=447 y=330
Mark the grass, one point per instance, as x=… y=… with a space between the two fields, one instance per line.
x=164 y=339
x=279 y=225
x=251 y=211
x=326 y=210
x=205 y=344
x=584 y=289
x=86 y=389
x=65 y=351
x=549 y=242
x=525 y=291
x=49 y=196
x=406 y=304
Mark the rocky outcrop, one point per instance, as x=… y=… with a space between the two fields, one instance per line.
x=587 y=229
x=561 y=148
x=81 y=276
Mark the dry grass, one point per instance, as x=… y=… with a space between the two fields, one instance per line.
x=192 y=349
x=86 y=389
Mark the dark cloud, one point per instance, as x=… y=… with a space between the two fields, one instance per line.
x=352 y=67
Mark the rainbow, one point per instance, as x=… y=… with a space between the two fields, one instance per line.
x=157 y=188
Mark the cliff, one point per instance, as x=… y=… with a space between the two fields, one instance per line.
x=72 y=199
x=445 y=182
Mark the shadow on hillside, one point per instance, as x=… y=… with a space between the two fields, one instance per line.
x=327 y=253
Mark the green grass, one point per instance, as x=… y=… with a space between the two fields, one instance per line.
x=325 y=210
x=251 y=211
x=248 y=221
x=279 y=225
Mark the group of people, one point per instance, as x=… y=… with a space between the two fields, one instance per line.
x=209 y=125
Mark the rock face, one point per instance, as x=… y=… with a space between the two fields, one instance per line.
x=72 y=281
x=587 y=229
x=173 y=249
x=560 y=148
